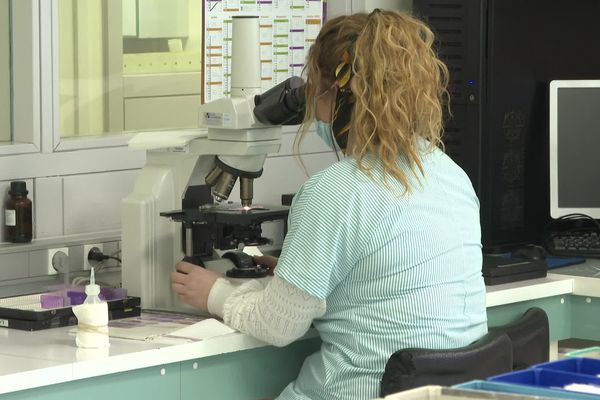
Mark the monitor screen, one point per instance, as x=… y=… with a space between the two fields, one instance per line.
x=575 y=148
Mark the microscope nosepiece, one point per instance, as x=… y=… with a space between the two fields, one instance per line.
x=222 y=178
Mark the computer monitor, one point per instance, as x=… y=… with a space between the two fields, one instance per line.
x=575 y=147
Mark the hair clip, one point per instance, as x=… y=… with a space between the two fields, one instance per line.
x=343 y=72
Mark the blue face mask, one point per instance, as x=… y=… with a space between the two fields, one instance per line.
x=325 y=133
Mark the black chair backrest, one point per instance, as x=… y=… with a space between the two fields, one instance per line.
x=410 y=368
x=530 y=338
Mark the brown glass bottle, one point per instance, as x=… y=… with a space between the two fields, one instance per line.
x=17 y=214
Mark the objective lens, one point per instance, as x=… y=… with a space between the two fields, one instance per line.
x=246 y=191
x=222 y=188
x=212 y=176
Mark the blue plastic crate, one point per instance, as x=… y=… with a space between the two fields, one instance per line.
x=524 y=390
x=546 y=378
x=578 y=365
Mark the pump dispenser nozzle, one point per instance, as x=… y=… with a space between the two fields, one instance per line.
x=92 y=290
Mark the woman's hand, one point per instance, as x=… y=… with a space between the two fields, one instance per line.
x=192 y=284
x=268 y=261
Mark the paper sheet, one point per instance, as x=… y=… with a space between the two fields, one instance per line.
x=167 y=327
x=582 y=388
x=252 y=251
x=202 y=330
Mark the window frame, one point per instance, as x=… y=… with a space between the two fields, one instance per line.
x=25 y=78
x=5 y=79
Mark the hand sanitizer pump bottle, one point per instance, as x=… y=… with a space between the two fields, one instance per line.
x=92 y=317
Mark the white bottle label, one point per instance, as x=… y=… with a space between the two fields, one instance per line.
x=10 y=218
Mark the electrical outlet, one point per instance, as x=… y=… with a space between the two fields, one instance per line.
x=57 y=260
x=86 y=250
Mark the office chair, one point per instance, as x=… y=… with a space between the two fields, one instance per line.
x=530 y=338
x=512 y=346
x=410 y=368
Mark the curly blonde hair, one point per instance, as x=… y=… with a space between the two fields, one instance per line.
x=398 y=82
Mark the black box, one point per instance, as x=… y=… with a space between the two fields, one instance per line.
x=29 y=320
x=498 y=269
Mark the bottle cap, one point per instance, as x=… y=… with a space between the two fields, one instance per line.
x=18 y=188
x=92 y=289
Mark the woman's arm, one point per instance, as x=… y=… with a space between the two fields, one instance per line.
x=277 y=313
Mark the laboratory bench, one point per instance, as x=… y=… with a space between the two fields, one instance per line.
x=46 y=364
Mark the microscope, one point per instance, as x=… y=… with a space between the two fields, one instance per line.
x=189 y=175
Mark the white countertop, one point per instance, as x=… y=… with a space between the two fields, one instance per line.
x=580 y=279
x=551 y=285
x=585 y=277
x=34 y=359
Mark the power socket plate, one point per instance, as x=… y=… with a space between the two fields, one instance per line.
x=53 y=257
x=86 y=249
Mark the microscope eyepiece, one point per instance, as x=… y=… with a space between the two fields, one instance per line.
x=283 y=104
x=222 y=178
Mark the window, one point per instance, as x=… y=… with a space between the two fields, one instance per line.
x=5 y=98
x=127 y=65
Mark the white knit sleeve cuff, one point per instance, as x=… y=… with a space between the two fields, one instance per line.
x=218 y=295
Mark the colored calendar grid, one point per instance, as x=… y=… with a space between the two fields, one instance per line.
x=287 y=29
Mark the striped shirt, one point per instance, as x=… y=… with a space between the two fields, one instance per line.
x=396 y=271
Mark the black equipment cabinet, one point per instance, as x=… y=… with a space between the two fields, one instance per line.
x=502 y=54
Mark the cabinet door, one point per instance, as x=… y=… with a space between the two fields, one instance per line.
x=251 y=374
x=154 y=383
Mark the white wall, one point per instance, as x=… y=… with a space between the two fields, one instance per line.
x=4 y=73
x=343 y=7
x=70 y=207
x=369 y=5
x=398 y=5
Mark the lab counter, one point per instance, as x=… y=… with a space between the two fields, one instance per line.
x=46 y=364
x=569 y=295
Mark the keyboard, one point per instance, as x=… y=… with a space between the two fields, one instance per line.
x=585 y=244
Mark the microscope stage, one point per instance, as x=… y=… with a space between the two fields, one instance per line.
x=235 y=214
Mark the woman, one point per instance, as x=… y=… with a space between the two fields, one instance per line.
x=383 y=250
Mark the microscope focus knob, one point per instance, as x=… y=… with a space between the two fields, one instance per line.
x=194 y=260
x=245 y=267
x=240 y=259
